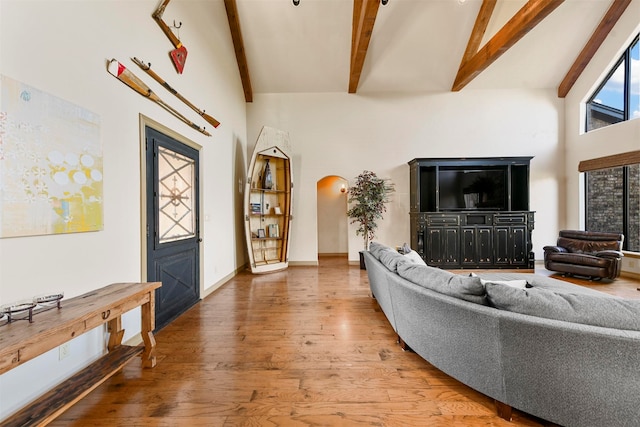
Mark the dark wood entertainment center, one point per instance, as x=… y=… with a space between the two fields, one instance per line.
x=472 y=212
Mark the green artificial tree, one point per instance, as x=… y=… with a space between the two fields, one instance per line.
x=368 y=198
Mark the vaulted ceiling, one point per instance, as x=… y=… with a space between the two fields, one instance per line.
x=410 y=46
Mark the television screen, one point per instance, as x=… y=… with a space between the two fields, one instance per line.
x=473 y=189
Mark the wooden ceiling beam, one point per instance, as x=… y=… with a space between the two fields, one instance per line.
x=238 y=45
x=614 y=13
x=479 y=28
x=364 y=17
x=530 y=15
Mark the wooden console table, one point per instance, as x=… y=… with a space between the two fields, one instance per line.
x=21 y=341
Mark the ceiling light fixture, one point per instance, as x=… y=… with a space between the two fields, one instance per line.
x=296 y=2
x=384 y=2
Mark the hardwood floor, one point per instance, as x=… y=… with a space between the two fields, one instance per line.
x=303 y=347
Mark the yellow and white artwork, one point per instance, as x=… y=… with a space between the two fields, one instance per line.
x=50 y=164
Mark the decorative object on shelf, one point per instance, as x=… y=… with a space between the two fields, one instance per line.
x=179 y=54
x=49 y=300
x=147 y=68
x=267 y=179
x=267 y=203
x=24 y=310
x=368 y=197
x=119 y=71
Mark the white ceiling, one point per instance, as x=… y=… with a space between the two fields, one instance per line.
x=416 y=45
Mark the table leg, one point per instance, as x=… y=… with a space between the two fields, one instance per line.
x=148 y=323
x=114 y=327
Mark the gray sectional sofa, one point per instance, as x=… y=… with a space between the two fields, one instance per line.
x=558 y=351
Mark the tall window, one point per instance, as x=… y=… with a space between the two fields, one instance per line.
x=618 y=98
x=613 y=202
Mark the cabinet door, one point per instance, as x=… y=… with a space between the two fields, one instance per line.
x=476 y=246
x=443 y=248
x=484 y=246
x=519 y=245
x=501 y=245
x=468 y=254
x=435 y=246
x=451 y=247
x=510 y=244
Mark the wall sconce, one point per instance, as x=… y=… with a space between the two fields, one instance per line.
x=343 y=188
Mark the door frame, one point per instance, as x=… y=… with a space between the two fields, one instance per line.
x=144 y=122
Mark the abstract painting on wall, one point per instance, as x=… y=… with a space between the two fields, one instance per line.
x=50 y=164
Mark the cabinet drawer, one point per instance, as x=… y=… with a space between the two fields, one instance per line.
x=444 y=220
x=116 y=311
x=511 y=219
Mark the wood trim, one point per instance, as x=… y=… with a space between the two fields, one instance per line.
x=530 y=15
x=238 y=45
x=616 y=160
x=614 y=13
x=364 y=17
x=479 y=28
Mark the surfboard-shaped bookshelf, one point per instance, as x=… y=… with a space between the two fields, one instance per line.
x=267 y=202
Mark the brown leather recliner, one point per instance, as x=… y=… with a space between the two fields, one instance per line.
x=592 y=254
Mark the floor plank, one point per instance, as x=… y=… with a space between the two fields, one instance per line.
x=304 y=347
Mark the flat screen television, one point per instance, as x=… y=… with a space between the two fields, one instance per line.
x=472 y=189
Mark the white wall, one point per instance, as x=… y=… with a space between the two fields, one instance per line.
x=343 y=134
x=615 y=139
x=62 y=47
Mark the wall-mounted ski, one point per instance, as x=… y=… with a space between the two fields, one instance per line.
x=147 y=69
x=127 y=77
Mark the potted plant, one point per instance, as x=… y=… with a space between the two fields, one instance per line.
x=368 y=198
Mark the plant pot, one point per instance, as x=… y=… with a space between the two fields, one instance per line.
x=362 y=264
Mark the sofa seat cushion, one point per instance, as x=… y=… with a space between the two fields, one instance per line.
x=580 y=259
x=444 y=282
x=595 y=310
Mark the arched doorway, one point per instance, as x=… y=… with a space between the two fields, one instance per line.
x=332 y=216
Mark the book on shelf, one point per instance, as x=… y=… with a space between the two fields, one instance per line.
x=256 y=208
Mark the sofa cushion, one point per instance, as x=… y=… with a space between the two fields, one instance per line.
x=444 y=282
x=606 y=311
x=413 y=256
x=391 y=258
x=376 y=248
x=578 y=258
x=516 y=283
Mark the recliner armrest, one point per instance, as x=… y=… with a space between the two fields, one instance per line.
x=609 y=254
x=555 y=249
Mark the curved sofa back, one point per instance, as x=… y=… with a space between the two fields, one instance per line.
x=568 y=373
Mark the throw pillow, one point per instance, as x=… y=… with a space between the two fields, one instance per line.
x=390 y=258
x=518 y=284
x=413 y=256
x=595 y=310
x=376 y=248
x=442 y=281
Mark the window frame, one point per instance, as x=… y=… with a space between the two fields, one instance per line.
x=626 y=111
